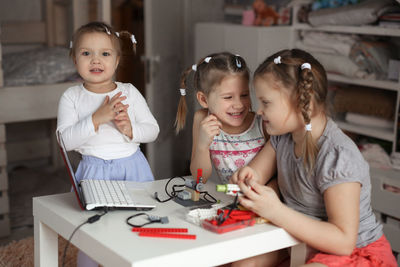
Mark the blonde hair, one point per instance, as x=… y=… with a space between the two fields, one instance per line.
x=208 y=73
x=305 y=85
x=117 y=38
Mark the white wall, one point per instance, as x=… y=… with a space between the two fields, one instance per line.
x=20 y=10
x=193 y=11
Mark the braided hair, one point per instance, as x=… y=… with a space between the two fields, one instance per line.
x=301 y=73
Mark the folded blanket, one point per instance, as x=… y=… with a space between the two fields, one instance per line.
x=341 y=65
x=375 y=155
x=335 y=43
x=38 y=66
x=365 y=12
x=369 y=121
x=373 y=56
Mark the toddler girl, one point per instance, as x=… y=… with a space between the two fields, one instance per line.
x=103 y=120
x=226 y=133
x=322 y=176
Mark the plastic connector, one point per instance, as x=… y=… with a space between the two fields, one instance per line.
x=164 y=220
x=229 y=189
x=94 y=218
x=184 y=195
x=154 y=218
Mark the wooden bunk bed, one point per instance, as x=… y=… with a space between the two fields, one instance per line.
x=28 y=103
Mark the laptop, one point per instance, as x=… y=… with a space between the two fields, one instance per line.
x=95 y=194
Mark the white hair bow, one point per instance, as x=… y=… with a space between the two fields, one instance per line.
x=305 y=66
x=133 y=39
x=277 y=60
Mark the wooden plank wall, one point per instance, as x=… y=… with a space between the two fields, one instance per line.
x=4 y=200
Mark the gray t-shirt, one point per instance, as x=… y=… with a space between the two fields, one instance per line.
x=338 y=161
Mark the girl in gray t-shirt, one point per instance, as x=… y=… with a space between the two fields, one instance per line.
x=323 y=179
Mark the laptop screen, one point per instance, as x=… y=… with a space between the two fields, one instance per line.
x=72 y=177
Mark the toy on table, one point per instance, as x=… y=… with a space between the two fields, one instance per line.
x=264 y=15
x=179 y=233
x=229 y=189
x=220 y=218
x=188 y=194
x=193 y=188
x=230 y=219
x=234 y=190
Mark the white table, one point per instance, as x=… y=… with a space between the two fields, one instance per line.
x=111 y=242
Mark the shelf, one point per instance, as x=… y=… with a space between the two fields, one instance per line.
x=370 y=30
x=385 y=134
x=388 y=134
x=383 y=84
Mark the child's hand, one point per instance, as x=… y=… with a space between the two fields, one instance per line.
x=260 y=199
x=243 y=174
x=109 y=109
x=123 y=124
x=209 y=127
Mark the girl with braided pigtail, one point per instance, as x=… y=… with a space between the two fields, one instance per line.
x=310 y=148
x=226 y=133
x=323 y=179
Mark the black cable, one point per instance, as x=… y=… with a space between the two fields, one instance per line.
x=151 y=218
x=206 y=194
x=221 y=217
x=174 y=192
x=92 y=219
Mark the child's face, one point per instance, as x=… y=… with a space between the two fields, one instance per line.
x=230 y=101
x=276 y=108
x=96 y=59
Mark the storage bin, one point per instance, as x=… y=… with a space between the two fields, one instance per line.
x=383 y=199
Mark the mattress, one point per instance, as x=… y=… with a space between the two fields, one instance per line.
x=38 y=66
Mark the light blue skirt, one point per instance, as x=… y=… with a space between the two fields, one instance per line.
x=132 y=168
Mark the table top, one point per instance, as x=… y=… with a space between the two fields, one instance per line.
x=111 y=241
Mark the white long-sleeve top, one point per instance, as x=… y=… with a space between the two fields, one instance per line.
x=75 y=124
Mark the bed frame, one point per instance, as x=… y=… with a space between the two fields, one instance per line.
x=38 y=102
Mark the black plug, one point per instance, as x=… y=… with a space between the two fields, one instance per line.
x=94 y=218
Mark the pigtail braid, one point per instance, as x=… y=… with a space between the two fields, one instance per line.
x=305 y=93
x=180 y=119
x=125 y=35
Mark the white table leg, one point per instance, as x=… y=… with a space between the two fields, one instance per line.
x=298 y=254
x=46 y=245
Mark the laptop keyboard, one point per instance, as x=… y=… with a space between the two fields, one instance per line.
x=107 y=193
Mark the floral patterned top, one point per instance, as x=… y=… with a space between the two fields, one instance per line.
x=229 y=152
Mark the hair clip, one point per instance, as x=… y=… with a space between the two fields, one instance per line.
x=207 y=59
x=117 y=34
x=308 y=127
x=305 y=66
x=194 y=67
x=238 y=63
x=70 y=44
x=107 y=30
x=133 y=39
x=183 y=91
x=277 y=60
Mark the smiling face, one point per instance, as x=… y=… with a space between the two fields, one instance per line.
x=230 y=102
x=96 y=61
x=276 y=108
